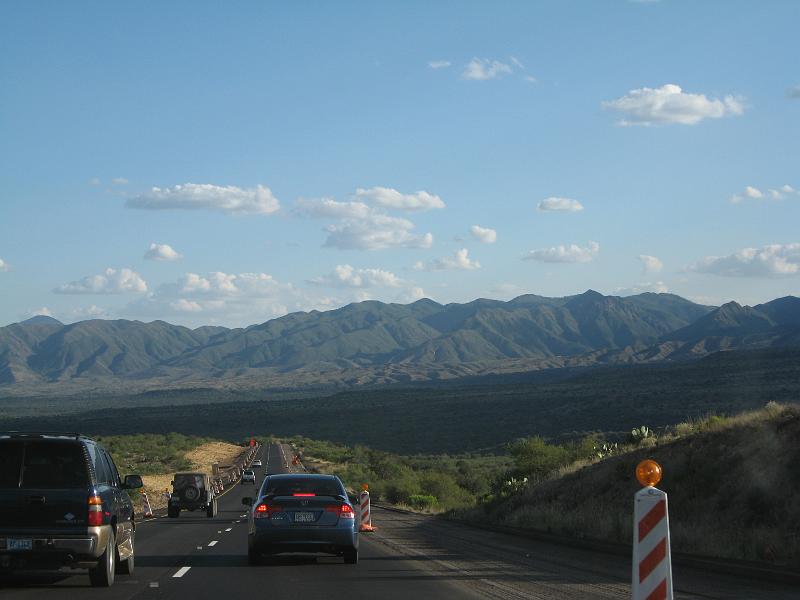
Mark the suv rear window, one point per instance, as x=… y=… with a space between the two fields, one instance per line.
x=286 y=486
x=54 y=465
x=10 y=463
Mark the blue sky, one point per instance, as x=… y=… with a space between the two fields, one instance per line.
x=208 y=165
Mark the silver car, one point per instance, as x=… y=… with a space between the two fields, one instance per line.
x=249 y=476
x=301 y=513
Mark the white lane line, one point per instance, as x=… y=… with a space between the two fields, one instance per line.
x=229 y=529
x=212 y=543
x=182 y=571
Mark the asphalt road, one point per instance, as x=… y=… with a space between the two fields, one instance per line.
x=410 y=556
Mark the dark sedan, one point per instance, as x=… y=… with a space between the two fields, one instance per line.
x=302 y=513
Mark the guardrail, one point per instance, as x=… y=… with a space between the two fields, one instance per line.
x=230 y=474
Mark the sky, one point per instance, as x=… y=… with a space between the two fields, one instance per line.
x=202 y=163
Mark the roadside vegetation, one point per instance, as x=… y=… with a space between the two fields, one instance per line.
x=733 y=485
x=427 y=483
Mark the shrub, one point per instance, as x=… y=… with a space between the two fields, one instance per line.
x=536 y=459
x=640 y=433
x=422 y=501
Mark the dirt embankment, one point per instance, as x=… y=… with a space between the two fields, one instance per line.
x=158 y=487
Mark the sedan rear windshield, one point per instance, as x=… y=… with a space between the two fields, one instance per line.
x=288 y=486
x=42 y=465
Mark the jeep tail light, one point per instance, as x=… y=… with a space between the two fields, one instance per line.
x=95 y=511
x=344 y=511
x=265 y=511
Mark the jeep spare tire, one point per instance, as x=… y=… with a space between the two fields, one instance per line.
x=191 y=493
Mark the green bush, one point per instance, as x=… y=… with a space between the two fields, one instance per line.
x=536 y=459
x=423 y=501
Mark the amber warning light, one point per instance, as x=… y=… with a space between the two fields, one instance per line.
x=648 y=472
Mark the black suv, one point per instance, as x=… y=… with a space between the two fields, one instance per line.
x=192 y=491
x=64 y=506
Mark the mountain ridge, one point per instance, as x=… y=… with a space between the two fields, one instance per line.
x=373 y=342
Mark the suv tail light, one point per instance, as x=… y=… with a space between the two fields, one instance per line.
x=344 y=511
x=95 y=518
x=265 y=511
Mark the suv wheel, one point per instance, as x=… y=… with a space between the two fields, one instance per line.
x=351 y=557
x=173 y=513
x=211 y=509
x=103 y=574
x=125 y=567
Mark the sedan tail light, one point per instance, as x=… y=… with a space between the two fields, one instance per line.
x=343 y=511
x=265 y=511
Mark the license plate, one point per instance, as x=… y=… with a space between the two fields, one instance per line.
x=19 y=544
x=304 y=517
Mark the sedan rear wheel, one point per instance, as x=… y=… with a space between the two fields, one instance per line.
x=351 y=557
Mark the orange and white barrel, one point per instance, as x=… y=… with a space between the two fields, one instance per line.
x=366 y=517
x=652 y=563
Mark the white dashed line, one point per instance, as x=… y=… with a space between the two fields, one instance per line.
x=213 y=543
x=182 y=571
x=229 y=528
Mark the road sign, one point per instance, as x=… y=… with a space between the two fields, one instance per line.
x=652 y=562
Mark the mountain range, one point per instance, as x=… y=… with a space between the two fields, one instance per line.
x=374 y=343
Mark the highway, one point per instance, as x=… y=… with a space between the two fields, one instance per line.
x=409 y=556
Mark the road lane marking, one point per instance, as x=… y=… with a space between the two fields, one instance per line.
x=229 y=529
x=182 y=571
x=212 y=543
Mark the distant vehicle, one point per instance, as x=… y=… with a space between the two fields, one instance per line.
x=301 y=513
x=192 y=491
x=256 y=463
x=64 y=506
x=249 y=476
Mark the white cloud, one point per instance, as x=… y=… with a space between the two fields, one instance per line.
x=375 y=233
x=194 y=196
x=439 y=64
x=412 y=294
x=328 y=207
x=481 y=69
x=651 y=264
x=218 y=297
x=565 y=254
x=753 y=193
x=350 y=277
x=112 y=281
x=530 y=79
x=40 y=312
x=4 y=266
x=162 y=252
x=391 y=198
x=556 y=204
x=120 y=181
x=774 y=260
x=184 y=305
x=517 y=62
x=460 y=261
x=94 y=181
x=670 y=104
x=89 y=312
x=483 y=234
x=658 y=287
x=793 y=92
x=364 y=225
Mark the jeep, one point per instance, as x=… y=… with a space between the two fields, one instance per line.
x=192 y=491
